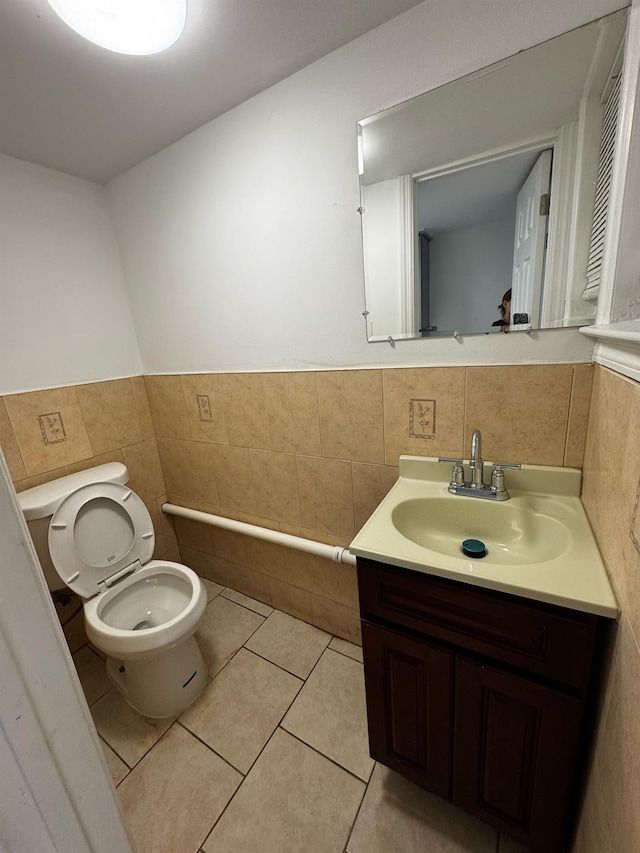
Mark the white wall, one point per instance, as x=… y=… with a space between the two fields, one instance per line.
x=470 y=272
x=64 y=312
x=241 y=243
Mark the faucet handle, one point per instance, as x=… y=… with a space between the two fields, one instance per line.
x=497 y=478
x=457 y=472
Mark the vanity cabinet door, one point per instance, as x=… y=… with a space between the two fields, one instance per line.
x=515 y=747
x=409 y=704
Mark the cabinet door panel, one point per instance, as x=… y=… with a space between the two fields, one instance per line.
x=515 y=745
x=552 y=641
x=408 y=687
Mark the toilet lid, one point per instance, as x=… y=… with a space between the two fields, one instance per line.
x=96 y=532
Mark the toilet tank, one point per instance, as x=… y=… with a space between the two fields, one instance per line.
x=39 y=503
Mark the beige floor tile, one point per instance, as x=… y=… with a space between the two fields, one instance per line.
x=345 y=648
x=506 y=845
x=224 y=628
x=250 y=603
x=239 y=711
x=172 y=798
x=92 y=674
x=289 y=643
x=213 y=589
x=398 y=817
x=71 y=615
x=330 y=714
x=126 y=732
x=117 y=767
x=293 y=800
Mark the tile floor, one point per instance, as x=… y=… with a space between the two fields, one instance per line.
x=273 y=756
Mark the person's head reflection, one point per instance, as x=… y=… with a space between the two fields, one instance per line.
x=505 y=310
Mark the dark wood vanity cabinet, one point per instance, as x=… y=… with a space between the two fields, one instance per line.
x=478 y=697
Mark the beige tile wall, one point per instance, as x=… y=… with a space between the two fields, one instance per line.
x=610 y=820
x=312 y=454
x=47 y=434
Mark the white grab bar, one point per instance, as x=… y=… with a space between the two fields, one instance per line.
x=329 y=552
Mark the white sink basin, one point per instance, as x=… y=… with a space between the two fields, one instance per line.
x=538 y=543
x=513 y=534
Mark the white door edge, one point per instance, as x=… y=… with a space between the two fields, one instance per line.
x=58 y=788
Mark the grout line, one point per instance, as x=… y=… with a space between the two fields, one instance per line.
x=302 y=678
x=211 y=749
x=303 y=682
x=344 y=654
x=144 y=755
x=98 y=698
x=464 y=410
x=353 y=500
x=384 y=431
x=281 y=668
x=235 y=793
x=569 y=413
x=315 y=382
x=326 y=757
x=103 y=743
x=240 y=604
x=359 y=809
x=276 y=727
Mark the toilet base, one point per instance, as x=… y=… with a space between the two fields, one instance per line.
x=161 y=686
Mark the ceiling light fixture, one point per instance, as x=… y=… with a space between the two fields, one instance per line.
x=137 y=27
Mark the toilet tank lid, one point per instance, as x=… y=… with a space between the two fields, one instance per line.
x=42 y=501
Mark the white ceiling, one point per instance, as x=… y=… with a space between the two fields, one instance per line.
x=70 y=105
x=475 y=196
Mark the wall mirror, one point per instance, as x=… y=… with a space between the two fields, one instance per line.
x=491 y=186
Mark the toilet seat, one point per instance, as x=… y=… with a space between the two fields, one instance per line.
x=99 y=533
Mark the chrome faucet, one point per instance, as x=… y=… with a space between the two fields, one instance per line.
x=476 y=487
x=476 y=461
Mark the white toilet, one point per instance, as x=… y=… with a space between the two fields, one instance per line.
x=95 y=535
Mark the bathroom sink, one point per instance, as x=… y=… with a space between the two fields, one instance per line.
x=512 y=533
x=539 y=544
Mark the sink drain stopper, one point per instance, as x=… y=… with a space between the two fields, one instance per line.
x=474 y=548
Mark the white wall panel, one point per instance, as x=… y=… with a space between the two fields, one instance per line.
x=241 y=242
x=64 y=312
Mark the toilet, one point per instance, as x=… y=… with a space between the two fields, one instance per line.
x=94 y=535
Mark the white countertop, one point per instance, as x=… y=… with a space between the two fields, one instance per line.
x=576 y=578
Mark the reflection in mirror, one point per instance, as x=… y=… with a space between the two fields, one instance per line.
x=493 y=183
